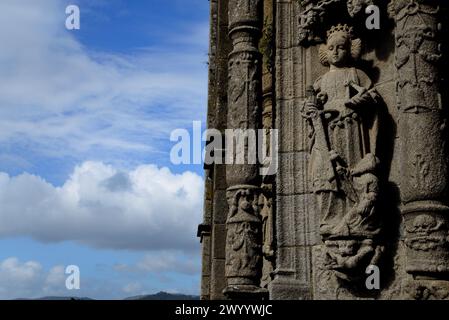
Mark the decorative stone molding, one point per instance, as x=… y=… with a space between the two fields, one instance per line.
x=266 y=198
x=419 y=55
x=268 y=249
x=243 y=266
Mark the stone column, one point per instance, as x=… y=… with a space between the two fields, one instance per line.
x=423 y=133
x=244 y=225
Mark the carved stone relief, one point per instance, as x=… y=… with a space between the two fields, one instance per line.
x=245 y=225
x=317 y=11
x=313 y=230
x=342 y=114
x=244 y=237
x=419 y=57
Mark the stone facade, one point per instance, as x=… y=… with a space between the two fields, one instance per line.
x=362 y=178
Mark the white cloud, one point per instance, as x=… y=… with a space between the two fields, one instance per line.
x=164 y=262
x=134 y=288
x=56 y=277
x=147 y=208
x=59 y=98
x=30 y=280
x=19 y=278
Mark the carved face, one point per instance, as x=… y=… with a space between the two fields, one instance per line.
x=424 y=224
x=347 y=248
x=246 y=201
x=338 y=49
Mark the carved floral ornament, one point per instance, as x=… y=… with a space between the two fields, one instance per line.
x=314 y=13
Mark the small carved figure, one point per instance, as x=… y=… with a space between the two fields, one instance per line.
x=243 y=240
x=349 y=258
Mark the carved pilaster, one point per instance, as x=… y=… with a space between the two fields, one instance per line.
x=266 y=199
x=422 y=126
x=244 y=225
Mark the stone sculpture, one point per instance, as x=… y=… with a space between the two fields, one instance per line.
x=344 y=125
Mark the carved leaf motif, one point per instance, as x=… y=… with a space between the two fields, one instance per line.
x=421 y=171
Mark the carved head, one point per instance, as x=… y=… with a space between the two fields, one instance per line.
x=340 y=47
x=424 y=223
x=347 y=247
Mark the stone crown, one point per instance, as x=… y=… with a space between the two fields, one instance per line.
x=344 y=28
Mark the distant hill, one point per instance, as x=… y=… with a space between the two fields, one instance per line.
x=58 y=298
x=164 y=296
x=158 y=296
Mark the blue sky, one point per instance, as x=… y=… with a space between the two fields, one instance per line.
x=85 y=122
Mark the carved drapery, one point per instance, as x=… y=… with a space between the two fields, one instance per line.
x=343 y=116
x=243 y=264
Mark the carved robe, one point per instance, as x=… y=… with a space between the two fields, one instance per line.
x=346 y=197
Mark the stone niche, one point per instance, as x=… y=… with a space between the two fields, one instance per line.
x=361 y=188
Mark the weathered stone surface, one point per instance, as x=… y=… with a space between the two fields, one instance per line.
x=297 y=229
x=419 y=63
x=218 y=280
x=363 y=172
x=244 y=238
x=291 y=174
x=206 y=269
x=220 y=207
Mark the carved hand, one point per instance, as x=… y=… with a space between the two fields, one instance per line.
x=310 y=110
x=361 y=97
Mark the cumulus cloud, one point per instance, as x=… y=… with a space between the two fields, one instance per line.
x=147 y=208
x=30 y=280
x=60 y=99
x=20 y=278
